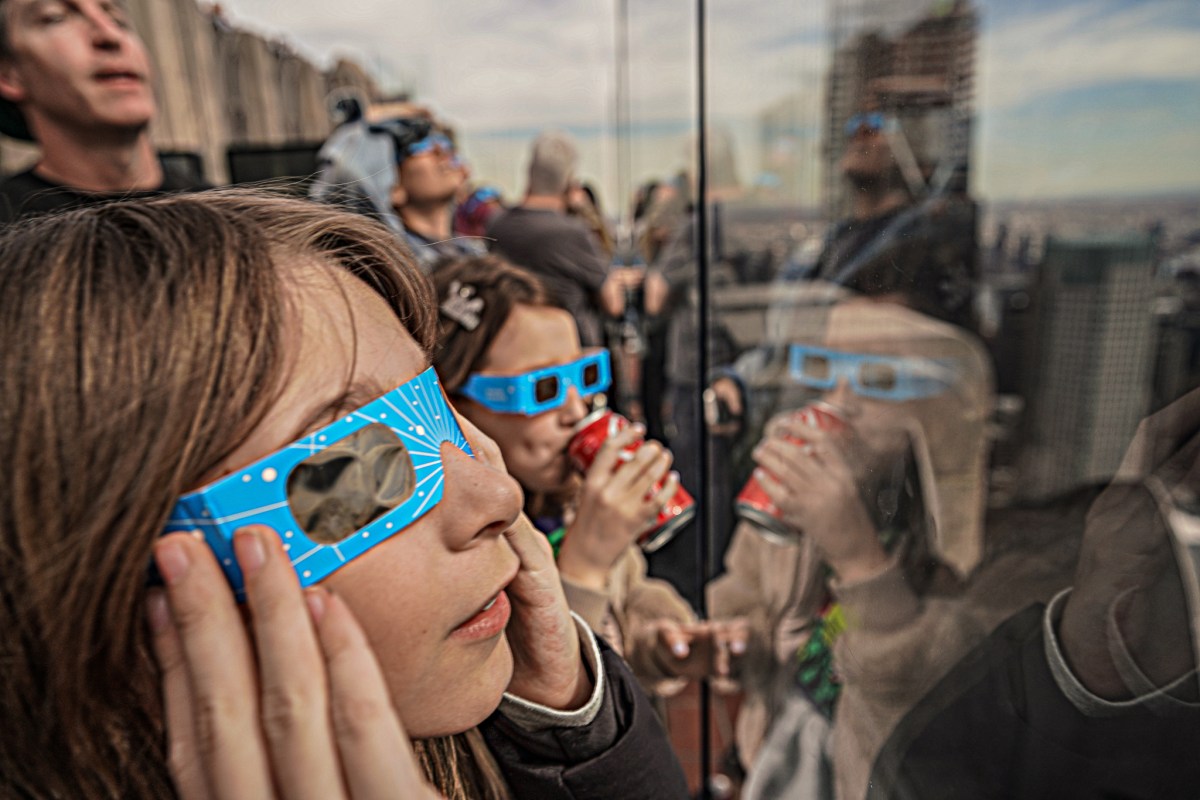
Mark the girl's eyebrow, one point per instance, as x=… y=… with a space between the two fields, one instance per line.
x=356 y=396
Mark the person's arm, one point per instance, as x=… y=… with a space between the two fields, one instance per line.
x=1141 y=690
x=743 y=615
x=675 y=270
x=1135 y=581
x=897 y=645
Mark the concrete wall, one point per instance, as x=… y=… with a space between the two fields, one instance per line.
x=182 y=43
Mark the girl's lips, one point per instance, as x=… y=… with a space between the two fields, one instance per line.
x=489 y=622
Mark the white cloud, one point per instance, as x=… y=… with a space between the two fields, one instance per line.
x=502 y=65
x=492 y=66
x=1079 y=47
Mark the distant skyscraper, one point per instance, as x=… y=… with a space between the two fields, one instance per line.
x=1096 y=342
x=914 y=59
x=788 y=137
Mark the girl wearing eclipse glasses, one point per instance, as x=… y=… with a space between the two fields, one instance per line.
x=227 y=397
x=876 y=494
x=511 y=359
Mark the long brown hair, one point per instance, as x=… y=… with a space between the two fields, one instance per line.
x=139 y=344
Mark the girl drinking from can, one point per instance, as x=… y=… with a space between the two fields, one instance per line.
x=866 y=510
x=512 y=359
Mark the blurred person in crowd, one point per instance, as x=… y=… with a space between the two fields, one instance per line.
x=401 y=170
x=657 y=213
x=477 y=207
x=1095 y=693
x=879 y=520
x=499 y=321
x=76 y=78
x=356 y=165
x=582 y=202
x=185 y=342
x=539 y=235
x=428 y=179
x=671 y=295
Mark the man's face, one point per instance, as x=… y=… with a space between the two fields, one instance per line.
x=868 y=155
x=430 y=173
x=76 y=64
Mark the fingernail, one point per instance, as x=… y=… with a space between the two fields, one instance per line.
x=675 y=474
x=737 y=647
x=251 y=554
x=158 y=612
x=680 y=649
x=173 y=561
x=315 y=597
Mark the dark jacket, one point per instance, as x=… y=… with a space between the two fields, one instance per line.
x=623 y=754
x=998 y=726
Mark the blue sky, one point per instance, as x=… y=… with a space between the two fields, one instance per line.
x=1074 y=97
x=1082 y=98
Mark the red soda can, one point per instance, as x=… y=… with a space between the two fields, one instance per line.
x=590 y=434
x=752 y=502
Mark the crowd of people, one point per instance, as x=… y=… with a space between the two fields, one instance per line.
x=295 y=506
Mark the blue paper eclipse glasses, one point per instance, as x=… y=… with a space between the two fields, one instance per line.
x=871 y=121
x=339 y=491
x=542 y=389
x=892 y=378
x=433 y=142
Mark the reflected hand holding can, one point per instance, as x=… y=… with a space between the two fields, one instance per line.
x=752 y=502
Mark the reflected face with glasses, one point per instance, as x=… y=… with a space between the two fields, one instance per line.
x=873 y=386
x=530 y=392
x=868 y=153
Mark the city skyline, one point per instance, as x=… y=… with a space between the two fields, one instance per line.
x=1074 y=99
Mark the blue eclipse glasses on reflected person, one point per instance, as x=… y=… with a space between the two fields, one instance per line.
x=431 y=143
x=871 y=121
x=891 y=378
x=337 y=492
x=541 y=389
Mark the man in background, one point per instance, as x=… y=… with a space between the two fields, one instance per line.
x=540 y=236
x=76 y=78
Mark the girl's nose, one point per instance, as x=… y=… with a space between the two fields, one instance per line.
x=574 y=410
x=480 y=499
x=843 y=397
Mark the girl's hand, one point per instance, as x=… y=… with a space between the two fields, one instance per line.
x=548 y=663
x=548 y=666
x=616 y=505
x=290 y=703
x=700 y=650
x=814 y=487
